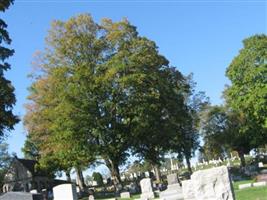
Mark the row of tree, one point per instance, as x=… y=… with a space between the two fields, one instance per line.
x=241 y=123
x=103 y=92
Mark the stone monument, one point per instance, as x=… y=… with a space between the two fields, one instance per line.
x=212 y=184
x=146 y=188
x=21 y=196
x=188 y=190
x=174 y=190
x=65 y=192
x=125 y=195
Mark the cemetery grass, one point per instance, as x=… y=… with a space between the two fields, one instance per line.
x=254 y=193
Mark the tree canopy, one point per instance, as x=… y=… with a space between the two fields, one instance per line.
x=102 y=91
x=7 y=96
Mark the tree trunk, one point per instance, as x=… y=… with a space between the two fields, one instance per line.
x=80 y=179
x=115 y=173
x=157 y=172
x=242 y=158
x=67 y=172
x=187 y=158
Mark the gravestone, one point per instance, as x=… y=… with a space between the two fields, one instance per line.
x=21 y=196
x=212 y=184
x=260 y=165
x=125 y=195
x=174 y=190
x=91 y=197
x=243 y=186
x=188 y=190
x=259 y=184
x=146 y=188
x=65 y=192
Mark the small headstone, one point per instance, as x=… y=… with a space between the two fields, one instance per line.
x=174 y=190
x=146 y=188
x=243 y=186
x=188 y=190
x=260 y=165
x=172 y=179
x=259 y=184
x=213 y=184
x=65 y=191
x=91 y=197
x=125 y=195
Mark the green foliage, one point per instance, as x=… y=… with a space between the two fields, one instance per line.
x=248 y=90
x=98 y=178
x=102 y=90
x=7 y=118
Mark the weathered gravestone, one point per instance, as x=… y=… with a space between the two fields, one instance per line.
x=174 y=190
x=65 y=192
x=188 y=190
x=125 y=195
x=212 y=184
x=21 y=196
x=146 y=188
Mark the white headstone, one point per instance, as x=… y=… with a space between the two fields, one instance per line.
x=65 y=192
x=33 y=191
x=259 y=184
x=213 y=184
x=243 y=186
x=260 y=164
x=125 y=195
x=146 y=188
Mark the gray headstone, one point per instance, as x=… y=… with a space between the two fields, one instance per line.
x=174 y=191
x=21 y=196
x=213 y=184
x=172 y=179
x=146 y=188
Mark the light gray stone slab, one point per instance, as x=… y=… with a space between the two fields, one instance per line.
x=146 y=188
x=125 y=195
x=65 y=192
x=172 y=179
x=213 y=184
x=188 y=190
x=20 y=196
x=259 y=184
x=243 y=186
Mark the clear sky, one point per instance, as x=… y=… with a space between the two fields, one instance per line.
x=196 y=36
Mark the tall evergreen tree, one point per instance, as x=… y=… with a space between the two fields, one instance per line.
x=7 y=96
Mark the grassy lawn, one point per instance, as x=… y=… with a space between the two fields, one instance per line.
x=254 y=193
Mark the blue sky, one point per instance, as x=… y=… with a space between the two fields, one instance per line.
x=196 y=36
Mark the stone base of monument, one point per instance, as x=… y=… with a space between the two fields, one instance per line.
x=147 y=196
x=173 y=192
x=20 y=196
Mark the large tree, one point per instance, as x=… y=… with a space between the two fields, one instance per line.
x=105 y=90
x=247 y=94
x=7 y=96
